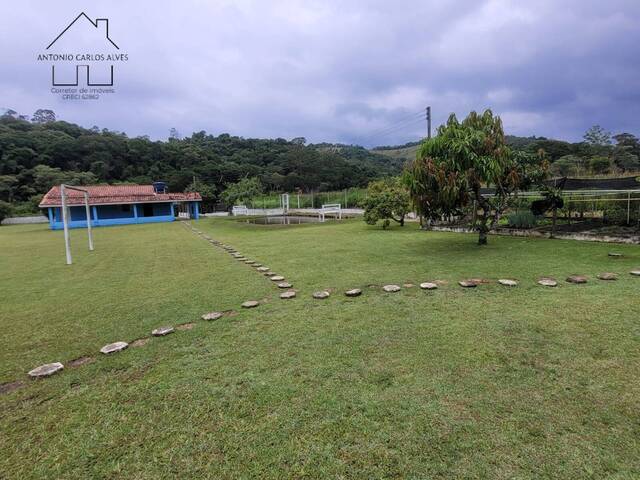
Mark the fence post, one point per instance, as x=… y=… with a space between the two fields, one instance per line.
x=628 y=208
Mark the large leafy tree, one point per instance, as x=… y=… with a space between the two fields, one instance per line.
x=242 y=191
x=386 y=200
x=452 y=169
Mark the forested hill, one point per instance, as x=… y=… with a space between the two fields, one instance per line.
x=34 y=156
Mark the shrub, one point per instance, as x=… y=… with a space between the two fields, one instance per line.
x=5 y=210
x=523 y=219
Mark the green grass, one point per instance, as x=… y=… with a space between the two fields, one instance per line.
x=493 y=382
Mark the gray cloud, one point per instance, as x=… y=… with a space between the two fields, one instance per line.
x=341 y=71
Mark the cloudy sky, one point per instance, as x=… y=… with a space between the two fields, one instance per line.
x=339 y=70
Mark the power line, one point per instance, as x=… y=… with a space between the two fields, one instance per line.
x=395 y=129
x=409 y=118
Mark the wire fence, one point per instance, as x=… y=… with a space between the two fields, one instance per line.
x=348 y=198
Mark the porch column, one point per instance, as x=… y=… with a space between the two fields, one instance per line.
x=95 y=213
x=51 y=218
x=196 y=210
x=135 y=211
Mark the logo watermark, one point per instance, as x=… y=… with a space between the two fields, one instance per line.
x=83 y=59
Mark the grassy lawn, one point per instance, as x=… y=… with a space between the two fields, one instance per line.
x=492 y=382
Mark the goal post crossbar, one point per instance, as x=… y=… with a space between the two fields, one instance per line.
x=65 y=218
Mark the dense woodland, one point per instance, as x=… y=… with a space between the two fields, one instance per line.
x=39 y=152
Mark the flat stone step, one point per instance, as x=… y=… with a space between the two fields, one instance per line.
x=615 y=254
x=391 y=288
x=46 y=370
x=507 y=282
x=467 y=283
x=577 y=279
x=608 y=276
x=284 y=284
x=257 y=265
x=212 y=316
x=277 y=278
x=321 y=295
x=162 y=331
x=635 y=273
x=263 y=269
x=287 y=295
x=428 y=286
x=250 y=304
x=354 y=292
x=547 y=282
x=114 y=347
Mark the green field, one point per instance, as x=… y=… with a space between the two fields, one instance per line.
x=491 y=382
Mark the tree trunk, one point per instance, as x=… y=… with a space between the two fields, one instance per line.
x=482 y=236
x=402 y=221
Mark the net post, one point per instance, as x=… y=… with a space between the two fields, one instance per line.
x=65 y=225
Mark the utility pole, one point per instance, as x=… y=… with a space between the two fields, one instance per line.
x=428 y=122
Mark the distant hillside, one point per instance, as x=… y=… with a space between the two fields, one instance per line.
x=377 y=159
x=400 y=153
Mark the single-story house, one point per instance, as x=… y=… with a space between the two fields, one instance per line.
x=120 y=205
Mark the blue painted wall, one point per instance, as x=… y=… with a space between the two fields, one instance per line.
x=105 y=215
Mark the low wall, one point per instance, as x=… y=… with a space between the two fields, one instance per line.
x=512 y=232
x=25 y=220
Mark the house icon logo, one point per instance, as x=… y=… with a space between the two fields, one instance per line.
x=83 y=55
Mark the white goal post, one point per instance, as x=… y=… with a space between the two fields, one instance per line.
x=66 y=215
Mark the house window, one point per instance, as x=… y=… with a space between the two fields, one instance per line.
x=125 y=208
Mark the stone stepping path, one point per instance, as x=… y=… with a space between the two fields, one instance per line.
x=250 y=304
x=428 y=286
x=212 y=316
x=162 y=331
x=391 y=288
x=287 y=295
x=508 y=282
x=114 y=348
x=284 y=284
x=577 y=279
x=354 y=292
x=321 y=295
x=615 y=254
x=46 y=370
x=608 y=276
x=635 y=273
x=548 y=282
x=467 y=283
x=240 y=257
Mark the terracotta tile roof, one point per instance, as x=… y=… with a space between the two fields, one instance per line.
x=115 y=194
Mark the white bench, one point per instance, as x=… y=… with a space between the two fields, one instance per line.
x=240 y=210
x=330 y=208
